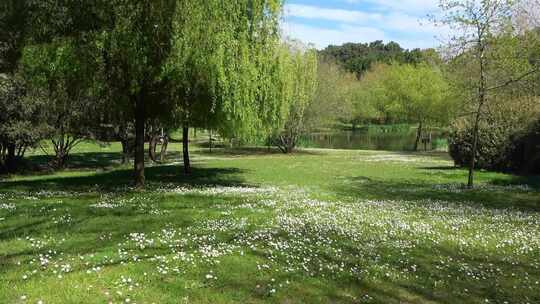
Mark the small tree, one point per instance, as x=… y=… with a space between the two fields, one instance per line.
x=420 y=94
x=478 y=24
x=21 y=120
x=298 y=91
x=70 y=112
x=334 y=99
x=372 y=101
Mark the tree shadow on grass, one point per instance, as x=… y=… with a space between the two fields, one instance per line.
x=93 y=160
x=253 y=151
x=113 y=180
x=441 y=168
x=457 y=287
x=89 y=160
x=420 y=191
x=530 y=181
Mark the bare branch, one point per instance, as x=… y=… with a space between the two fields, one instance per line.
x=510 y=81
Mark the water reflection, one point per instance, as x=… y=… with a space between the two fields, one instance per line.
x=367 y=140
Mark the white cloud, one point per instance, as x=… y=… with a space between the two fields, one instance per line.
x=315 y=12
x=322 y=37
x=408 y=29
x=419 y=7
x=391 y=21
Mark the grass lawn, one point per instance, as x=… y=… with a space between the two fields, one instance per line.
x=249 y=226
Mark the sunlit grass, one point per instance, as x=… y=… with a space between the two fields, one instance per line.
x=253 y=227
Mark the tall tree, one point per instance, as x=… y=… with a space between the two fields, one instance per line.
x=373 y=101
x=134 y=42
x=14 y=104
x=44 y=33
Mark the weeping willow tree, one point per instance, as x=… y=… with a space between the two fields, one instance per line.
x=295 y=88
x=222 y=68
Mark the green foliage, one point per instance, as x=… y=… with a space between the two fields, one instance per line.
x=420 y=94
x=298 y=87
x=405 y=93
x=334 y=99
x=372 y=102
x=524 y=154
x=493 y=144
x=21 y=120
x=227 y=81
x=137 y=43
x=358 y=58
x=506 y=140
x=13 y=18
x=60 y=70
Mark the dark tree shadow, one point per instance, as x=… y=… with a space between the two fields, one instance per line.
x=531 y=181
x=112 y=180
x=361 y=186
x=251 y=151
x=92 y=160
x=515 y=180
x=441 y=168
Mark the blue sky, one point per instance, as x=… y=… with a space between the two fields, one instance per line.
x=324 y=22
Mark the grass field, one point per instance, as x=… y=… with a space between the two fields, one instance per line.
x=251 y=226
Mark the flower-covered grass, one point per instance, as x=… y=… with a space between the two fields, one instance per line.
x=257 y=227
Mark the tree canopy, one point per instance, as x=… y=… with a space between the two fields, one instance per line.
x=360 y=57
x=297 y=88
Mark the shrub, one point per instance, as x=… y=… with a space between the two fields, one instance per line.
x=524 y=154
x=500 y=147
x=493 y=142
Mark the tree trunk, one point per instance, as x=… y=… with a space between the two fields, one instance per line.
x=163 y=154
x=185 y=149
x=470 y=183
x=210 y=140
x=286 y=143
x=481 y=100
x=418 y=136
x=60 y=159
x=139 y=141
x=125 y=151
x=61 y=151
x=21 y=151
x=291 y=144
x=11 y=159
x=152 y=145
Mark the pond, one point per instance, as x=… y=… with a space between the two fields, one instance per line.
x=368 y=139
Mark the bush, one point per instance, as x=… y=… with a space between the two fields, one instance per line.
x=525 y=150
x=493 y=141
x=500 y=147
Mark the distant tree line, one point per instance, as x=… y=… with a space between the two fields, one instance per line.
x=358 y=58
